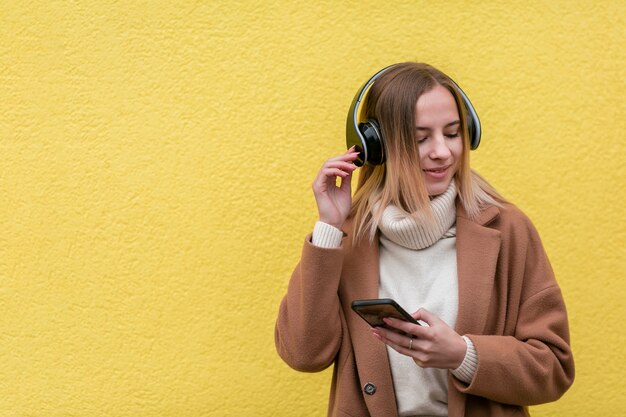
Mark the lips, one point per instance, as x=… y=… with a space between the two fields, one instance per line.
x=437 y=170
x=437 y=174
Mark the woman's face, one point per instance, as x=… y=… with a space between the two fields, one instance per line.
x=438 y=134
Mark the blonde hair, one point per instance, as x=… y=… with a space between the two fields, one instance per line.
x=392 y=100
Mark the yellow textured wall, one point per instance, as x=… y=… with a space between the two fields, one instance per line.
x=155 y=184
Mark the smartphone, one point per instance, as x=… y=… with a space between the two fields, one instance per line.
x=374 y=311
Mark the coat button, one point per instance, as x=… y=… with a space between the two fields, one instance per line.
x=369 y=388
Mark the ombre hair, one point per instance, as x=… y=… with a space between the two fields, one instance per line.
x=392 y=101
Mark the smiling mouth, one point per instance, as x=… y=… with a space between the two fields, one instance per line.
x=437 y=170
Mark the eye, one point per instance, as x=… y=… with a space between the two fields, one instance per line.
x=453 y=135
x=421 y=139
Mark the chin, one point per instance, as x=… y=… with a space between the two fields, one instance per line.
x=436 y=190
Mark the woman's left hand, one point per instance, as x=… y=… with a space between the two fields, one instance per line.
x=434 y=346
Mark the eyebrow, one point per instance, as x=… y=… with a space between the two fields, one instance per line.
x=456 y=122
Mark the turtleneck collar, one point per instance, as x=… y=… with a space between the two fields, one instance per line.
x=417 y=231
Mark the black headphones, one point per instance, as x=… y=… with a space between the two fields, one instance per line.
x=366 y=136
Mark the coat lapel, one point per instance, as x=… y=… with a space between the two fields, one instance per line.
x=360 y=281
x=478 y=247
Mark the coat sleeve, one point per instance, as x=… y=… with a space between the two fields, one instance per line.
x=308 y=329
x=533 y=364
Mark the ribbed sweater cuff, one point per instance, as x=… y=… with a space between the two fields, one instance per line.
x=326 y=236
x=466 y=371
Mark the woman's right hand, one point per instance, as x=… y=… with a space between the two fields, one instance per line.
x=333 y=202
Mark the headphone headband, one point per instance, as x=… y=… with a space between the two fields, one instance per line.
x=365 y=134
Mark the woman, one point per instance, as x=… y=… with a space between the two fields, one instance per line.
x=426 y=231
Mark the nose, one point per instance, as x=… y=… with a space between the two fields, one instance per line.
x=440 y=149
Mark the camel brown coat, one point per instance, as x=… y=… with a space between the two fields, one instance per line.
x=509 y=305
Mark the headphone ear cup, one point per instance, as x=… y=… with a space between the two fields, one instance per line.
x=473 y=122
x=474 y=134
x=372 y=141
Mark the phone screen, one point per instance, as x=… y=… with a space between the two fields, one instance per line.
x=374 y=311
